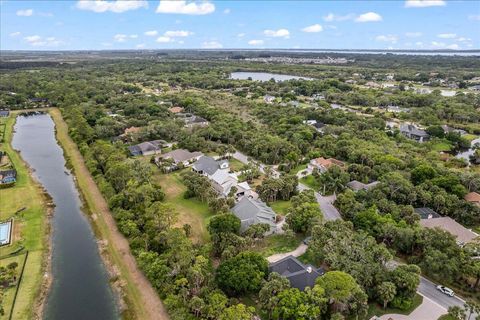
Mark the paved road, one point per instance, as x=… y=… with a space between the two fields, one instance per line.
x=329 y=211
x=428 y=289
x=428 y=310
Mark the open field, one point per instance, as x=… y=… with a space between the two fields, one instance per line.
x=191 y=211
x=30 y=231
x=142 y=300
x=281 y=206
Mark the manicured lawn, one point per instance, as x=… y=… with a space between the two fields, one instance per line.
x=298 y=168
x=278 y=243
x=441 y=146
x=310 y=182
x=10 y=292
x=29 y=231
x=281 y=206
x=470 y=137
x=375 y=309
x=191 y=211
x=446 y=317
x=235 y=165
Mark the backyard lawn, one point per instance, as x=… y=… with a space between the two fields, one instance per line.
x=191 y=211
x=278 y=243
x=281 y=206
x=310 y=182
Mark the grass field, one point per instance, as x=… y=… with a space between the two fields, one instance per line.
x=235 y=165
x=310 y=182
x=29 y=231
x=191 y=211
x=281 y=206
x=278 y=243
x=441 y=146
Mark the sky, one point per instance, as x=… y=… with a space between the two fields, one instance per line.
x=160 y=24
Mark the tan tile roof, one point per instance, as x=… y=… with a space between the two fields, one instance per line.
x=473 y=197
x=463 y=234
x=327 y=163
x=176 y=109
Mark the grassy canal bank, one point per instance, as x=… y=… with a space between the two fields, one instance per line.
x=140 y=301
x=30 y=229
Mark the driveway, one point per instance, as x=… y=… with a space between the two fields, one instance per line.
x=301 y=249
x=325 y=203
x=428 y=310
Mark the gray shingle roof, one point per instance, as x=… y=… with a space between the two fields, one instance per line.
x=299 y=275
x=180 y=155
x=426 y=213
x=207 y=165
x=412 y=130
x=252 y=211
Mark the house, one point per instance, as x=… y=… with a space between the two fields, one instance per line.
x=294 y=103
x=299 y=275
x=268 y=98
x=223 y=181
x=310 y=122
x=357 y=185
x=319 y=126
x=195 y=121
x=253 y=211
x=448 y=129
x=462 y=234
x=208 y=166
x=8 y=176
x=175 y=110
x=178 y=157
x=412 y=132
x=146 y=148
x=4 y=113
x=475 y=87
x=426 y=213
x=244 y=190
x=128 y=133
x=391 y=108
x=473 y=197
x=322 y=164
x=372 y=84
x=318 y=96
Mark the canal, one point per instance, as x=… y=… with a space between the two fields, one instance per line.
x=80 y=287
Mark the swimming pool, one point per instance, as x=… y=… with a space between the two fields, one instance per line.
x=5 y=232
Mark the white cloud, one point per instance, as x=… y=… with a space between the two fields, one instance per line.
x=424 y=3
x=140 y=46
x=117 y=6
x=227 y=11
x=15 y=34
x=280 y=33
x=387 y=38
x=313 y=28
x=182 y=7
x=45 y=14
x=212 y=45
x=474 y=17
x=413 y=34
x=38 y=41
x=463 y=39
x=419 y=44
x=255 y=42
x=151 y=33
x=447 y=35
x=25 y=13
x=333 y=17
x=178 y=33
x=241 y=35
x=134 y=36
x=164 y=39
x=453 y=46
x=369 y=17
x=442 y=45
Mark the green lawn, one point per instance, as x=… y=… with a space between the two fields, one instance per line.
x=310 y=182
x=446 y=317
x=298 y=168
x=441 y=146
x=470 y=137
x=281 y=207
x=235 y=165
x=278 y=243
x=29 y=228
x=375 y=309
x=191 y=211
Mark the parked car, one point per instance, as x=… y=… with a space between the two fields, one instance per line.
x=447 y=291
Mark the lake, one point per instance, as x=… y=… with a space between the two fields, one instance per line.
x=80 y=288
x=265 y=76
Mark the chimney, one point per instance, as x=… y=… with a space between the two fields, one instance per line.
x=309 y=269
x=430 y=216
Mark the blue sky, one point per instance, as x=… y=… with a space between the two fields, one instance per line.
x=87 y=25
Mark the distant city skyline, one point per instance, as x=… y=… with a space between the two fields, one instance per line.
x=115 y=25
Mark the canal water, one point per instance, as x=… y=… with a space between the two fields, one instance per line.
x=265 y=76
x=466 y=154
x=80 y=288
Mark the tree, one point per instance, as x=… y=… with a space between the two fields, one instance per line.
x=224 y=223
x=333 y=180
x=339 y=287
x=422 y=173
x=216 y=304
x=238 y=312
x=386 y=292
x=298 y=305
x=243 y=273
x=456 y=313
x=268 y=295
x=301 y=217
